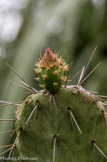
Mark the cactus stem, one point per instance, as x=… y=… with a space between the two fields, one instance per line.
x=54 y=149
x=72 y=116
x=5 y=151
x=14 y=144
x=35 y=109
x=6 y=146
x=8 y=131
x=95 y=145
x=7 y=119
x=33 y=90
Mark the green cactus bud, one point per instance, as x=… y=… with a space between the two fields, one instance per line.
x=51 y=72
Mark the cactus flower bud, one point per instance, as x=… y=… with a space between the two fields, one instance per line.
x=50 y=69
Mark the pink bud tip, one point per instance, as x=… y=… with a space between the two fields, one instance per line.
x=49 y=52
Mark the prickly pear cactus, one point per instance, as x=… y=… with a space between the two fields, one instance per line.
x=59 y=123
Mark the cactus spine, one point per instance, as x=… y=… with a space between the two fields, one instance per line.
x=60 y=123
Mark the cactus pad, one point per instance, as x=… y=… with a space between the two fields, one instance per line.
x=48 y=122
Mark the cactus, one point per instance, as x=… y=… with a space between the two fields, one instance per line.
x=60 y=123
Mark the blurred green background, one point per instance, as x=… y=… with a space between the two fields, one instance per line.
x=72 y=28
